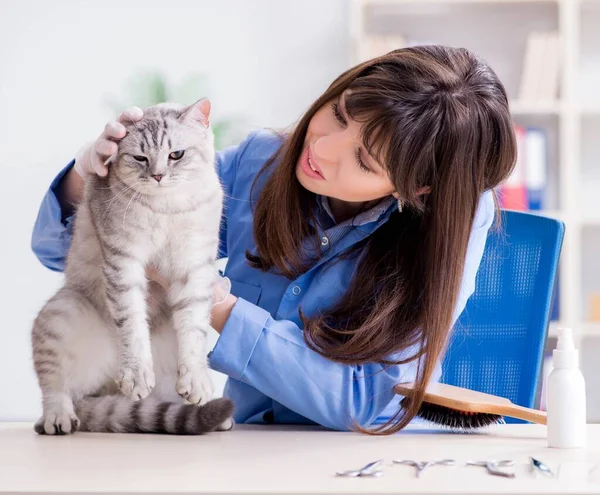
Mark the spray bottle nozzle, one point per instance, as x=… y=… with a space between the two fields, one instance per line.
x=565 y=339
x=565 y=355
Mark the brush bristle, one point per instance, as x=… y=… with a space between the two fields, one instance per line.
x=452 y=418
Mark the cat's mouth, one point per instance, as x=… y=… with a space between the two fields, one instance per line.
x=153 y=186
x=162 y=182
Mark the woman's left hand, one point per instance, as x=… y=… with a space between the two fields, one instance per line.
x=223 y=302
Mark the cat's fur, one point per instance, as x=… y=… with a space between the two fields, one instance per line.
x=113 y=351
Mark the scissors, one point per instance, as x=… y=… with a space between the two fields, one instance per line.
x=371 y=469
x=421 y=466
x=492 y=467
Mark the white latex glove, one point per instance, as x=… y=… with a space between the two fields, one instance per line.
x=92 y=158
x=221 y=289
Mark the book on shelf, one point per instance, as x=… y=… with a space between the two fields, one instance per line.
x=594 y=306
x=536 y=164
x=513 y=192
x=541 y=67
x=525 y=189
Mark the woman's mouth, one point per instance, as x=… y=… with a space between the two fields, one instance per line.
x=309 y=166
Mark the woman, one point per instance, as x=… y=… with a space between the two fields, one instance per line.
x=353 y=242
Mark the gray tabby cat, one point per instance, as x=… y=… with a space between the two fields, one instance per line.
x=109 y=329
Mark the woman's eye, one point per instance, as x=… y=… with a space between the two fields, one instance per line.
x=337 y=114
x=176 y=155
x=361 y=163
x=140 y=158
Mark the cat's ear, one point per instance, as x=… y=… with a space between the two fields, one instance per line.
x=198 y=112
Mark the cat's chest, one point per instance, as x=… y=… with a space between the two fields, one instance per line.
x=164 y=232
x=179 y=242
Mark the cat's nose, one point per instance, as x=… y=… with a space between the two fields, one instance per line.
x=158 y=177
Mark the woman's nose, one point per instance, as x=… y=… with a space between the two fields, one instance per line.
x=327 y=149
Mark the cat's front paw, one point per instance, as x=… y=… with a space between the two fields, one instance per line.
x=57 y=421
x=136 y=382
x=194 y=384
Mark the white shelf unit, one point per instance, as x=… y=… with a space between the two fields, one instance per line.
x=497 y=30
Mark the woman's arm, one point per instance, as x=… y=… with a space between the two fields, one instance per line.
x=271 y=356
x=51 y=236
x=70 y=192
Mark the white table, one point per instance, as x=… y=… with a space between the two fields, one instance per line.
x=276 y=459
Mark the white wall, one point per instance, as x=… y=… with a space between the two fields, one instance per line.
x=268 y=59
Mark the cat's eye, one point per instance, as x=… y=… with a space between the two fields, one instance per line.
x=140 y=158
x=176 y=155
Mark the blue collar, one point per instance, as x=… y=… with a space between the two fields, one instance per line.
x=381 y=211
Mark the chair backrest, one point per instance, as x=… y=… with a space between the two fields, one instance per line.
x=498 y=342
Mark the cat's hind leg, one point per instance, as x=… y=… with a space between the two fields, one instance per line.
x=73 y=355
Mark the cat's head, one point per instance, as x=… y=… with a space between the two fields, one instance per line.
x=171 y=146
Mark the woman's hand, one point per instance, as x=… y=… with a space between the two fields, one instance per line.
x=223 y=302
x=92 y=158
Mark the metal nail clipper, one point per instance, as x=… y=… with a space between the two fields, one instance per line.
x=370 y=470
x=493 y=467
x=421 y=466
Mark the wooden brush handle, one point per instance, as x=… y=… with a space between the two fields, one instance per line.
x=520 y=412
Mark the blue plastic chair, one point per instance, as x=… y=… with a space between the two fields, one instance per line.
x=498 y=342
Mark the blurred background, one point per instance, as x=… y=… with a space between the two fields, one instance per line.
x=68 y=66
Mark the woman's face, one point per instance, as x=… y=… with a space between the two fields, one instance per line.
x=344 y=170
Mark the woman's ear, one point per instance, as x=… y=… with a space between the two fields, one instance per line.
x=420 y=192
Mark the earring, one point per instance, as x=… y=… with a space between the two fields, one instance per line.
x=400 y=205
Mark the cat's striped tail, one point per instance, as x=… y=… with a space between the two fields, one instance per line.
x=119 y=414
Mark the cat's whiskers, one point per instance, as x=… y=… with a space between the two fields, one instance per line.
x=117 y=194
x=134 y=198
x=120 y=195
x=112 y=202
x=134 y=195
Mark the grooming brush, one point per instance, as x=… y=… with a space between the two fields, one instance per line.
x=466 y=409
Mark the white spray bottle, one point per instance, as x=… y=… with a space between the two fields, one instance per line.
x=565 y=396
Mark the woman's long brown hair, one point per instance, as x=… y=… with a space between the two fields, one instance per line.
x=435 y=117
